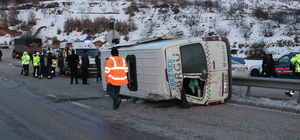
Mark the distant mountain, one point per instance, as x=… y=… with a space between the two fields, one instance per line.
x=250 y=25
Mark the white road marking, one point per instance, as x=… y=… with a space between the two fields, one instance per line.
x=81 y=105
x=266 y=109
x=51 y=95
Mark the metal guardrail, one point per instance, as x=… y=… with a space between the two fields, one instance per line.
x=278 y=83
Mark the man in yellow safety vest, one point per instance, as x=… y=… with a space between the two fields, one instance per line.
x=25 y=62
x=36 y=64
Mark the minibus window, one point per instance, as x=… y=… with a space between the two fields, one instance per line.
x=131 y=75
x=193 y=58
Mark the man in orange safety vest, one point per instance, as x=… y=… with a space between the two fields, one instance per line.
x=116 y=70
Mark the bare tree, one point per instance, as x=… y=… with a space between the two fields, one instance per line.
x=267 y=29
x=173 y=31
x=35 y=1
x=222 y=31
x=5 y=3
x=29 y=32
x=3 y=20
x=81 y=9
x=145 y=33
x=258 y=47
x=260 y=13
x=164 y=16
x=238 y=22
x=246 y=31
x=13 y=16
x=279 y=17
x=191 y=21
x=149 y=29
x=31 y=18
x=292 y=29
x=196 y=31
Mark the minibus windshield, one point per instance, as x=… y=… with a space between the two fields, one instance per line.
x=92 y=53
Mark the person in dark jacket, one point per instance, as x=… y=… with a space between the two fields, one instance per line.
x=49 y=65
x=264 y=65
x=271 y=67
x=84 y=66
x=44 y=63
x=60 y=64
x=73 y=60
x=0 y=55
x=98 y=65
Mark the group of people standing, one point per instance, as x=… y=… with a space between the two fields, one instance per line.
x=268 y=68
x=44 y=65
x=116 y=69
x=73 y=60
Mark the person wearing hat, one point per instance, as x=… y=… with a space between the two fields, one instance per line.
x=84 y=66
x=25 y=62
x=116 y=70
x=36 y=64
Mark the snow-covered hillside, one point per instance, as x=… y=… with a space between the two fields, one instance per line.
x=164 y=22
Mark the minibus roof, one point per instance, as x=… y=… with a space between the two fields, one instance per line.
x=152 y=43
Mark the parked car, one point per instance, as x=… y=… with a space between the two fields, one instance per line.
x=282 y=67
x=4 y=45
x=239 y=69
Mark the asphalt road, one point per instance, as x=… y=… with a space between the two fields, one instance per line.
x=32 y=108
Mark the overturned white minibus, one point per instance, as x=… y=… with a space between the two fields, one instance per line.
x=165 y=68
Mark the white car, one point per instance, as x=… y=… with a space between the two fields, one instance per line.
x=239 y=69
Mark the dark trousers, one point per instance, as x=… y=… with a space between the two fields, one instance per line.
x=99 y=73
x=49 y=70
x=53 y=71
x=84 y=74
x=297 y=75
x=61 y=71
x=74 y=74
x=264 y=72
x=272 y=73
x=114 y=92
x=36 y=71
x=25 y=69
x=44 y=71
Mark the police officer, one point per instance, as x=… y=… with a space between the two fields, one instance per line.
x=25 y=62
x=116 y=70
x=36 y=64
x=296 y=62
